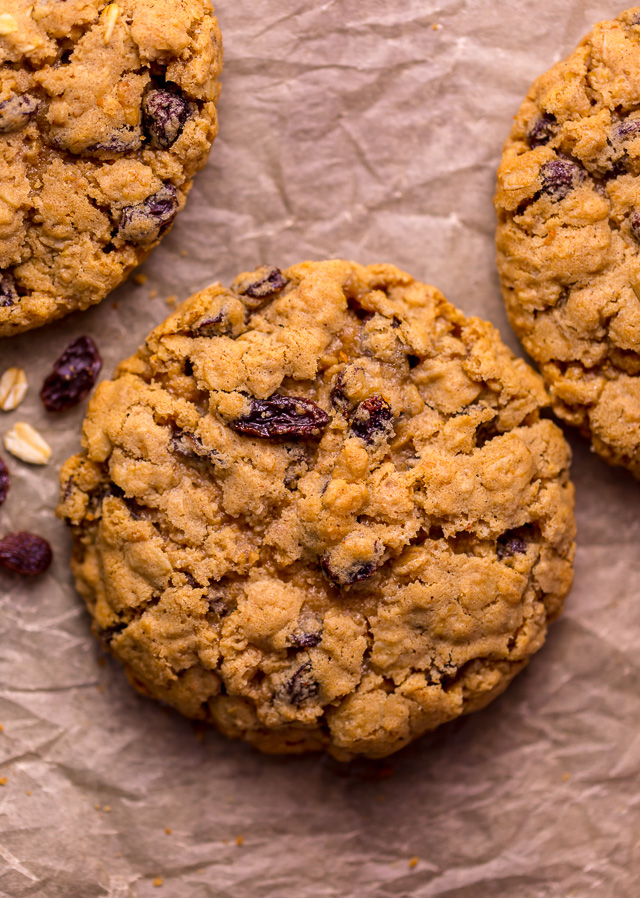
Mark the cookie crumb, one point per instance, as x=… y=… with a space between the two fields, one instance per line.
x=413 y=862
x=168 y=831
x=171 y=300
x=28 y=792
x=140 y=278
x=1 y=728
x=153 y=294
x=107 y=808
x=184 y=253
x=158 y=881
x=436 y=27
x=240 y=840
x=566 y=777
x=97 y=807
x=116 y=306
x=3 y=781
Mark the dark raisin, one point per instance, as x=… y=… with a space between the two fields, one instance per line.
x=634 y=226
x=413 y=360
x=559 y=177
x=627 y=130
x=339 y=397
x=542 y=131
x=308 y=632
x=191 y=580
x=125 y=140
x=145 y=222
x=73 y=375
x=8 y=293
x=271 y=282
x=340 y=577
x=211 y=325
x=16 y=112
x=306 y=640
x=282 y=416
x=301 y=686
x=25 y=553
x=510 y=545
x=164 y=114
x=372 y=418
x=4 y=481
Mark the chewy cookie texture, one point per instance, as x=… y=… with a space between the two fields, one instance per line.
x=107 y=110
x=568 y=203
x=320 y=509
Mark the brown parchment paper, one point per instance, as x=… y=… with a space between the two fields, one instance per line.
x=349 y=128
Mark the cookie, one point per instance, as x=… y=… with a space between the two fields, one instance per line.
x=107 y=110
x=568 y=203
x=320 y=509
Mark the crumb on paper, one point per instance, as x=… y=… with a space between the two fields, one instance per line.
x=153 y=294
x=436 y=26
x=97 y=807
x=184 y=253
x=116 y=305
x=158 y=881
x=107 y=808
x=28 y=792
x=566 y=777
x=167 y=830
x=171 y=300
x=140 y=278
x=101 y=662
x=413 y=862
x=240 y=840
x=3 y=781
x=1 y=728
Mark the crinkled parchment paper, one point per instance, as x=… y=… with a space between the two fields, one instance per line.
x=349 y=128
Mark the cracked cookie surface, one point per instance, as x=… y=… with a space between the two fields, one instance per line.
x=568 y=203
x=320 y=509
x=107 y=110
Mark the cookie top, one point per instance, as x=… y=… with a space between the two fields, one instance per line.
x=568 y=203
x=320 y=508
x=107 y=110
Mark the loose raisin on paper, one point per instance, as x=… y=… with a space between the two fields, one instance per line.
x=4 y=481
x=282 y=416
x=73 y=375
x=25 y=553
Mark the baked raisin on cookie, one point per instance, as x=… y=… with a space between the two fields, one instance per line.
x=568 y=203
x=320 y=509
x=107 y=110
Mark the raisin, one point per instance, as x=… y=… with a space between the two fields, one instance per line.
x=559 y=177
x=145 y=222
x=634 y=226
x=217 y=605
x=306 y=640
x=510 y=545
x=542 y=131
x=211 y=325
x=8 y=293
x=272 y=282
x=301 y=686
x=73 y=375
x=354 y=574
x=339 y=398
x=16 y=112
x=164 y=113
x=125 y=140
x=372 y=418
x=627 y=130
x=282 y=416
x=25 y=553
x=4 y=481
